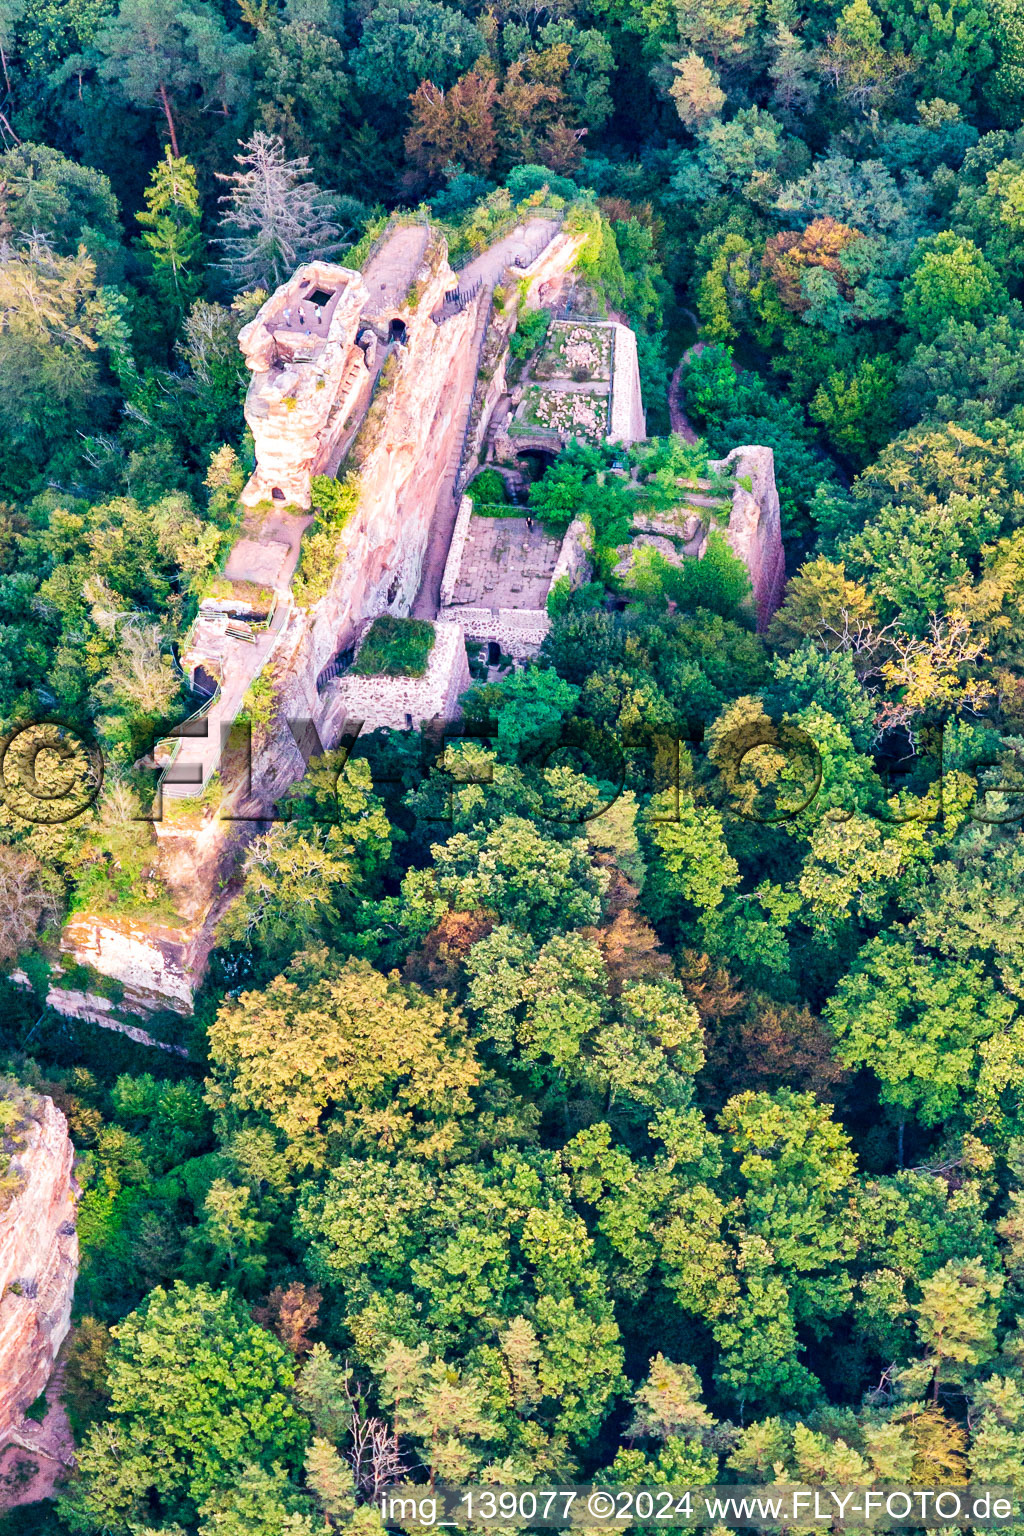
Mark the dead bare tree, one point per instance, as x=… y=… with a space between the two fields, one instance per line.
x=375 y=1457
x=934 y=672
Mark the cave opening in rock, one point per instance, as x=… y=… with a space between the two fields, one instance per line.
x=537 y=461
x=397 y=331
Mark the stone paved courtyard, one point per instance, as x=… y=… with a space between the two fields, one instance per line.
x=505 y=564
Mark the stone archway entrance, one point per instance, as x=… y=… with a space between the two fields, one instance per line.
x=536 y=461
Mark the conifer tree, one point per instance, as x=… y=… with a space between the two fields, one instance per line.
x=170 y=223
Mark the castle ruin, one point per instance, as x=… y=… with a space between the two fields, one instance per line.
x=395 y=376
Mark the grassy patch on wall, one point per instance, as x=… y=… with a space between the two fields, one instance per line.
x=395 y=648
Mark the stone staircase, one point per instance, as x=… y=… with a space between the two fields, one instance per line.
x=455 y=301
x=465 y=417
x=335 y=668
x=350 y=377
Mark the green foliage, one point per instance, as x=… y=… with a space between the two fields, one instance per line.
x=171 y=230
x=395 y=648
x=197 y=1395
x=949 y=280
x=488 y=488
x=411 y=41
x=718 y=582
x=531 y=329
x=335 y=502
x=569 y=1099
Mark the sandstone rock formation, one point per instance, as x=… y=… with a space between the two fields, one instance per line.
x=755 y=528
x=384 y=369
x=309 y=376
x=309 y=403
x=38 y=1248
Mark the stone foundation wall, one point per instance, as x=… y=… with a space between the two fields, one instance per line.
x=628 y=422
x=460 y=533
x=404 y=703
x=519 y=631
x=38 y=1264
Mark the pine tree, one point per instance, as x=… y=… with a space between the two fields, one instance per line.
x=275 y=217
x=171 y=223
x=696 y=91
x=957 y=1317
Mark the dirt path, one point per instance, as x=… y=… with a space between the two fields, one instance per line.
x=37 y=1456
x=677 y=416
x=388 y=275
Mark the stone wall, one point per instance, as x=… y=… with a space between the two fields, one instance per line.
x=573 y=557
x=404 y=703
x=38 y=1264
x=519 y=631
x=628 y=422
x=405 y=449
x=459 y=534
x=543 y=280
x=309 y=376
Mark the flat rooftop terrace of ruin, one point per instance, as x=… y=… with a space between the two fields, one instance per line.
x=505 y=564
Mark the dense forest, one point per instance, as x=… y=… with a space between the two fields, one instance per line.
x=632 y=1089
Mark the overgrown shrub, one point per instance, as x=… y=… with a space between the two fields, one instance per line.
x=488 y=488
x=334 y=502
x=529 y=333
x=395 y=648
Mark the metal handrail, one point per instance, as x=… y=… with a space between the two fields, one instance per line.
x=335 y=667
x=197 y=714
x=513 y=217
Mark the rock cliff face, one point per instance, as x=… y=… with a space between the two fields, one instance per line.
x=309 y=375
x=403 y=453
x=38 y=1253
x=755 y=529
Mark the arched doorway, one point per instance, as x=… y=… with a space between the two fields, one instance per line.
x=536 y=461
x=397 y=331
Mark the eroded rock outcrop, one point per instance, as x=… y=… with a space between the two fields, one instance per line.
x=755 y=529
x=38 y=1247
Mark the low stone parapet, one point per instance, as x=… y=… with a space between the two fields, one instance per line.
x=403 y=703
